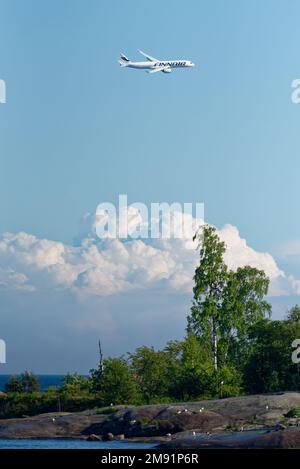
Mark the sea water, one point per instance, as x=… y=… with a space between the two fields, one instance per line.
x=70 y=444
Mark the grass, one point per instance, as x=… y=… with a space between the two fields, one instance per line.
x=293 y=413
x=107 y=410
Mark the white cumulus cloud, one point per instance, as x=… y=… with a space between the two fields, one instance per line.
x=112 y=266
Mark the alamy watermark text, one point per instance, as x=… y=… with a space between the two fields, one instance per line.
x=2 y=92
x=162 y=220
x=2 y=351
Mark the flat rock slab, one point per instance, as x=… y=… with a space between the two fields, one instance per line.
x=47 y=426
x=286 y=439
x=149 y=421
x=157 y=421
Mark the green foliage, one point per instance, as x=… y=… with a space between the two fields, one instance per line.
x=151 y=370
x=226 y=305
x=14 y=385
x=107 y=410
x=181 y=371
x=293 y=413
x=197 y=371
x=228 y=382
x=75 y=385
x=116 y=383
x=20 y=404
x=269 y=367
x=293 y=315
x=27 y=382
x=206 y=319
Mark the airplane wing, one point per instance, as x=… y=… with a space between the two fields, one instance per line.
x=148 y=57
x=165 y=69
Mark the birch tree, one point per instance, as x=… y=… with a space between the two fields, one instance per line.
x=226 y=303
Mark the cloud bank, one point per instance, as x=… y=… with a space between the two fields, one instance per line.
x=113 y=266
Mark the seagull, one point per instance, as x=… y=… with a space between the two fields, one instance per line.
x=200 y=410
x=194 y=433
x=111 y=404
x=168 y=434
x=179 y=412
x=53 y=419
x=185 y=410
x=267 y=407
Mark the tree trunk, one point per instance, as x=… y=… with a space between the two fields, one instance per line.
x=215 y=346
x=101 y=361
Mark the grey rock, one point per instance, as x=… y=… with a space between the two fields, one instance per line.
x=155 y=421
x=93 y=437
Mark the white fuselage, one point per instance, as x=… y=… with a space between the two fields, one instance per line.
x=161 y=63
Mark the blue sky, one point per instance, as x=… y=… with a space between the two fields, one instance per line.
x=77 y=130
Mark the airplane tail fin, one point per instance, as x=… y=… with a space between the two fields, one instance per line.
x=124 y=61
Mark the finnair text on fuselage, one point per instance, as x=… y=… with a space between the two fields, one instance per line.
x=163 y=63
x=174 y=63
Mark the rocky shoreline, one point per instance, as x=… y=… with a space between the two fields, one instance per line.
x=242 y=422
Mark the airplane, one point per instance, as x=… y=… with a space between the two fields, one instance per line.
x=154 y=65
